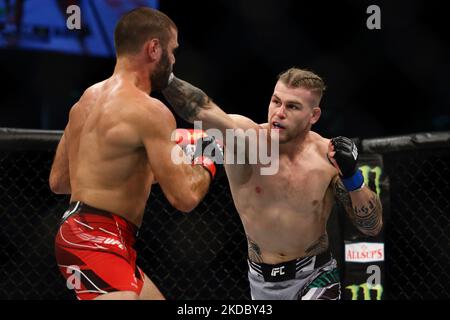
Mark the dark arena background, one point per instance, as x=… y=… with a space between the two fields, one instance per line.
x=387 y=88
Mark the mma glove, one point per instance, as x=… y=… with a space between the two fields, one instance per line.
x=200 y=149
x=208 y=153
x=346 y=157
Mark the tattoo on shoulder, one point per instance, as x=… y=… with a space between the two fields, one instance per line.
x=254 y=252
x=319 y=246
x=186 y=99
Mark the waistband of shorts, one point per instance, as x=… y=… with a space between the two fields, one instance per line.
x=272 y=271
x=79 y=207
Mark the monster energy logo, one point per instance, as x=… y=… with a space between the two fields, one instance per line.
x=366 y=288
x=366 y=170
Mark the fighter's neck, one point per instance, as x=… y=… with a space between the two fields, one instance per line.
x=136 y=75
x=296 y=146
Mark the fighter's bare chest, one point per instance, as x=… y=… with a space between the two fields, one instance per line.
x=295 y=181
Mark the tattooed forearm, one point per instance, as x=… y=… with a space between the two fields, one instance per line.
x=318 y=247
x=254 y=252
x=186 y=99
x=366 y=215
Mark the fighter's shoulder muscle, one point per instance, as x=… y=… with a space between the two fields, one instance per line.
x=86 y=100
x=320 y=142
x=243 y=122
x=153 y=116
x=321 y=145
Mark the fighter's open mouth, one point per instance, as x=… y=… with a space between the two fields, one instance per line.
x=277 y=125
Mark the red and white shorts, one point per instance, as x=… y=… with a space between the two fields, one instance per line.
x=94 y=251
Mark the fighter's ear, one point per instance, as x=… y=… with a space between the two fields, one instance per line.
x=316 y=112
x=153 y=49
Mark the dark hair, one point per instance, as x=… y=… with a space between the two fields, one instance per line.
x=138 y=26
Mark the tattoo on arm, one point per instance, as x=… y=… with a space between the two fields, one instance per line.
x=186 y=99
x=254 y=252
x=367 y=217
x=342 y=195
x=319 y=246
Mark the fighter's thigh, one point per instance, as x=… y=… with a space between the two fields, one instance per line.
x=149 y=290
x=118 y=295
x=98 y=273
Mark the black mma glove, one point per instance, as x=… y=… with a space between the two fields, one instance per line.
x=346 y=158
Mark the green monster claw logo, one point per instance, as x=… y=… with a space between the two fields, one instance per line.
x=366 y=170
x=366 y=288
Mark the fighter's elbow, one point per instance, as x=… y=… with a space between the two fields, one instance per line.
x=369 y=233
x=57 y=186
x=53 y=184
x=374 y=231
x=185 y=204
x=207 y=112
x=378 y=229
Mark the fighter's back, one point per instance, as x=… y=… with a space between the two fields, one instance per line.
x=109 y=168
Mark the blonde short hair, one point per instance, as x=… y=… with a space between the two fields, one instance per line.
x=296 y=78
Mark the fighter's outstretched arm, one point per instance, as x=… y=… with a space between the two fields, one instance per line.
x=192 y=104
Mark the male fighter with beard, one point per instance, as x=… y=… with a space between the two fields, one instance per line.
x=116 y=144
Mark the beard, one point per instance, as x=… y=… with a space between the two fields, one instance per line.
x=160 y=76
